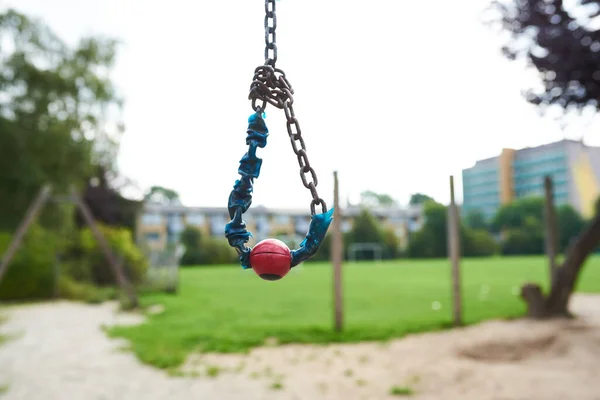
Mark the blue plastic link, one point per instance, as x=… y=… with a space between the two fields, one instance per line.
x=240 y=200
x=315 y=236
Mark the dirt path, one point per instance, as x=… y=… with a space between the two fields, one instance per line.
x=61 y=353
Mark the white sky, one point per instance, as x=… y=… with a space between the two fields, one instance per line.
x=363 y=72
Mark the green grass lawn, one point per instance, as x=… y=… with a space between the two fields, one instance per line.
x=226 y=309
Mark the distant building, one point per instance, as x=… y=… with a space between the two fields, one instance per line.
x=158 y=225
x=573 y=167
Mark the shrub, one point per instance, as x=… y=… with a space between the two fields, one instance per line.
x=216 y=251
x=94 y=266
x=191 y=257
x=70 y=289
x=30 y=274
x=523 y=242
x=478 y=243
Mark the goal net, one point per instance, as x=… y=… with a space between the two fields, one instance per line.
x=368 y=251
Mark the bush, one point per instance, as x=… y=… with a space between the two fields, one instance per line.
x=478 y=243
x=216 y=251
x=191 y=257
x=71 y=289
x=30 y=274
x=211 y=251
x=88 y=263
x=523 y=242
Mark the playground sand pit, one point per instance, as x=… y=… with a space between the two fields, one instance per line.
x=59 y=351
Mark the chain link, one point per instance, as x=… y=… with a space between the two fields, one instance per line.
x=270 y=34
x=270 y=86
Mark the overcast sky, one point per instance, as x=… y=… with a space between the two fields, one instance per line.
x=363 y=72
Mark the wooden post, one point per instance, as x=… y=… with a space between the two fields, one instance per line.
x=110 y=257
x=336 y=256
x=551 y=228
x=30 y=215
x=454 y=252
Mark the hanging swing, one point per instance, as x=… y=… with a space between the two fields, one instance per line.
x=272 y=259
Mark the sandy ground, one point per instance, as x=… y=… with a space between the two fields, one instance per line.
x=60 y=352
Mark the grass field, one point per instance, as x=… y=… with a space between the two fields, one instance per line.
x=226 y=309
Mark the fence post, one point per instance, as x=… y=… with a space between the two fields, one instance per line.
x=454 y=253
x=337 y=255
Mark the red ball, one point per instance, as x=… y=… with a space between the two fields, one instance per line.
x=271 y=259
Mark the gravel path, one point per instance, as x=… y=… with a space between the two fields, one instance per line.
x=60 y=352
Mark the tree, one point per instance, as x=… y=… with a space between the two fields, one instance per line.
x=106 y=203
x=565 y=51
x=369 y=198
x=569 y=224
x=162 y=195
x=54 y=115
x=419 y=198
x=432 y=240
x=515 y=214
x=477 y=243
x=190 y=238
x=476 y=220
x=365 y=229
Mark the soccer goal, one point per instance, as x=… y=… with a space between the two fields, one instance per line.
x=375 y=249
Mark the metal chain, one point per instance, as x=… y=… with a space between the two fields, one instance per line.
x=270 y=85
x=270 y=35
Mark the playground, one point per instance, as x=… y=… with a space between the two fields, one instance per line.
x=180 y=267
x=60 y=348
x=175 y=347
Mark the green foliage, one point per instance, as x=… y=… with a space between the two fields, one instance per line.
x=222 y=309
x=477 y=243
x=162 y=195
x=515 y=214
x=476 y=220
x=30 y=274
x=365 y=229
x=522 y=224
x=569 y=224
x=92 y=265
x=69 y=288
x=432 y=240
x=419 y=198
x=402 y=391
x=190 y=237
x=210 y=251
x=216 y=251
x=391 y=244
x=52 y=116
x=523 y=241
x=369 y=198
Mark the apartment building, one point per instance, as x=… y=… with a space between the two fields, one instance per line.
x=158 y=225
x=573 y=167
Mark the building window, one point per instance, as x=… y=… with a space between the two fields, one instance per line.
x=217 y=224
x=152 y=219
x=152 y=237
x=195 y=219
x=262 y=226
x=282 y=219
x=302 y=224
